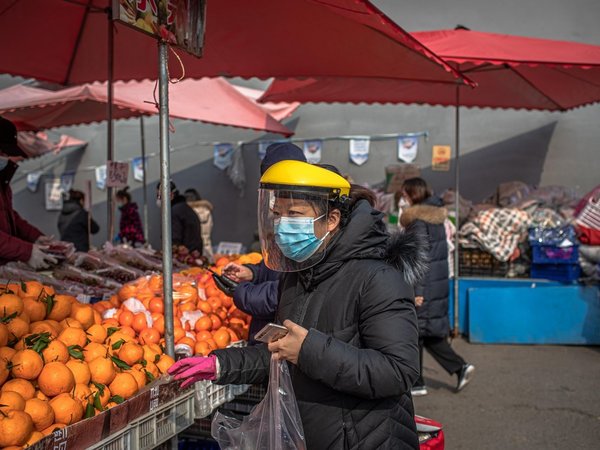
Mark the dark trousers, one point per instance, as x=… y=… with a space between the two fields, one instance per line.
x=441 y=351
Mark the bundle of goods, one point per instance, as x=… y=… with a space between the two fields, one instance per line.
x=60 y=362
x=555 y=253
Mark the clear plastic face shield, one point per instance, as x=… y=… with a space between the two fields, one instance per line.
x=292 y=228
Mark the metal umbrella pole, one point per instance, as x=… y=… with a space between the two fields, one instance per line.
x=109 y=132
x=165 y=192
x=145 y=194
x=457 y=206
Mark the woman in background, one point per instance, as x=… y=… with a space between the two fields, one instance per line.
x=130 y=225
x=73 y=222
x=203 y=209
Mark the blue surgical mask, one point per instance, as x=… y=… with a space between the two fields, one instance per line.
x=295 y=237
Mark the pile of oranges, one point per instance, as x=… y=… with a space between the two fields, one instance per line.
x=61 y=362
x=205 y=319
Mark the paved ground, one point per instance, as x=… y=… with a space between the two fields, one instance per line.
x=522 y=397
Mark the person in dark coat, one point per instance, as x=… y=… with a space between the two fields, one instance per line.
x=73 y=222
x=19 y=240
x=130 y=224
x=353 y=336
x=256 y=293
x=185 y=225
x=425 y=214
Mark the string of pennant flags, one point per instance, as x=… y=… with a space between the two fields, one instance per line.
x=115 y=173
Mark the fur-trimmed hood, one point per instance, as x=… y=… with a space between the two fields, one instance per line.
x=407 y=251
x=435 y=215
x=201 y=204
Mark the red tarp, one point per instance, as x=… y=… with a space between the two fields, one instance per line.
x=208 y=100
x=65 y=42
x=510 y=72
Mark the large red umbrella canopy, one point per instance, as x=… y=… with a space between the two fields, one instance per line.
x=207 y=100
x=66 y=42
x=510 y=72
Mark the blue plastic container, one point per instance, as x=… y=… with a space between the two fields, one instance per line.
x=551 y=254
x=564 y=273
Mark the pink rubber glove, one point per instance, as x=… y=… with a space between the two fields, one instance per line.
x=195 y=368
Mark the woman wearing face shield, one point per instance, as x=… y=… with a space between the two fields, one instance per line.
x=347 y=300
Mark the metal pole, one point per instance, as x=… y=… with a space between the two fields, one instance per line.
x=457 y=206
x=109 y=132
x=145 y=206
x=165 y=191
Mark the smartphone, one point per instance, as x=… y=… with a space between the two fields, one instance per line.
x=271 y=332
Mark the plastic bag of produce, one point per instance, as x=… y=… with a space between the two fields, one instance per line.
x=273 y=424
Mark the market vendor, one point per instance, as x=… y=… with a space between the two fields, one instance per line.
x=186 y=229
x=19 y=240
x=347 y=300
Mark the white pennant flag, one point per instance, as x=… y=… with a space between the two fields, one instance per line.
x=407 y=148
x=359 y=150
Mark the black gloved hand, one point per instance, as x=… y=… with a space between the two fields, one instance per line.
x=225 y=284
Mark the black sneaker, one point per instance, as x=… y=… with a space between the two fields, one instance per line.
x=464 y=376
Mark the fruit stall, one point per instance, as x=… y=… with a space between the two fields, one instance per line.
x=82 y=350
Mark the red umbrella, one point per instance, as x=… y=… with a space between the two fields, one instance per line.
x=210 y=100
x=66 y=42
x=510 y=72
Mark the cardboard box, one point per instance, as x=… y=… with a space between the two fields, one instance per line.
x=396 y=174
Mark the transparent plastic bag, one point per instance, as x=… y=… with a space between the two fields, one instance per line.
x=273 y=424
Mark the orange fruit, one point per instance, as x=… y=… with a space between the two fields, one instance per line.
x=151 y=367
x=215 y=302
x=7 y=353
x=35 y=308
x=41 y=413
x=44 y=327
x=110 y=323
x=52 y=428
x=82 y=393
x=41 y=396
x=201 y=348
x=35 y=436
x=73 y=336
x=81 y=371
x=125 y=318
x=56 y=351
x=164 y=363
x=233 y=335
x=222 y=338
x=61 y=309
x=97 y=333
x=67 y=409
x=204 y=323
x=26 y=364
x=152 y=352
x=84 y=314
x=159 y=324
x=156 y=305
x=3 y=335
x=104 y=396
x=140 y=377
x=10 y=304
x=102 y=370
x=126 y=292
x=4 y=370
x=18 y=327
x=94 y=350
x=186 y=340
x=139 y=322
x=211 y=344
x=222 y=313
x=178 y=333
x=227 y=301
x=70 y=322
x=216 y=321
x=131 y=353
x=124 y=385
x=204 y=306
x=187 y=306
x=20 y=386
x=128 y=331
x=155 y=283
x=15 y=428
x=97 y=317
x=149 y=336
x=56 y=378
x=11 y=400
x=203 y=335
x=110 y=405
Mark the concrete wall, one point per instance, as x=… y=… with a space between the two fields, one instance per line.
x=536 y=147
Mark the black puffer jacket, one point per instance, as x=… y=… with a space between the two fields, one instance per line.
x=427 y=219
x=360 y=357
x=185 y=225
x=73 y=225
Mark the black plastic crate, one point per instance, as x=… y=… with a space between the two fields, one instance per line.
x=477 y=262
